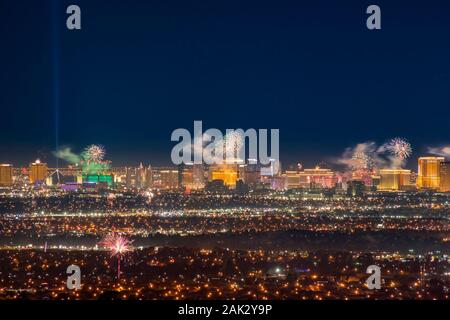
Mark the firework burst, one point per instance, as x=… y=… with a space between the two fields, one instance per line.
x=361 y=160
x=95 y=153
x=234 y=142
x=235 y=139
x=399 y=148
x=117 y=245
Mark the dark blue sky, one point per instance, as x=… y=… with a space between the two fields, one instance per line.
x=140 y=69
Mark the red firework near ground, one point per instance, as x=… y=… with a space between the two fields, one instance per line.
x=117 y=245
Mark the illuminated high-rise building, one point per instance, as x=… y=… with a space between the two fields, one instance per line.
x=278 y=182
x=198 y=176
x=187 y=175
x=429 y=172
x=395 y=180
x=130 y=176
x=317 y=177
x=101 y=180
x=6 y=175
x=252 y=173
x=149 y=178
x=356 y=188
x=38 y=172
x=142 y=176
x=165 y=178
x=241 y=172
x=227 y=173
x=192 y=176
x=444 y=183
x=138 y=177
x=120 y=175
x=292 y=179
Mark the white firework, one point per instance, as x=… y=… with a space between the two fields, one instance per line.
x=399 y=148
x=95 y=153
x=232 y=144
x=234 y=141
x=361 y=160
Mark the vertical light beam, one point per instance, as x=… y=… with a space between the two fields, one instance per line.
x=56 y=71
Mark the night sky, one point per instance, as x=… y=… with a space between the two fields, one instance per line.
x=140 y=69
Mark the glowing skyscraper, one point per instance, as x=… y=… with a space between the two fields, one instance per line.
x=429 y=172
x=227 y=173
x=6 y=175
x=444 y=183
x=395 y=180
x=317 y=177
x=38 y=171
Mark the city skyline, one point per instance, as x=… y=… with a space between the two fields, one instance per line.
x=338 y=161
x=90 y=170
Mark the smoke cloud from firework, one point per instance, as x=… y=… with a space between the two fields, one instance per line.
x=232 y=143
x=362 y=161
x=66 y=154
x=364 y=155
x=90 y=162
x=443 y=151
x=398 y=150
x=368 y=155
